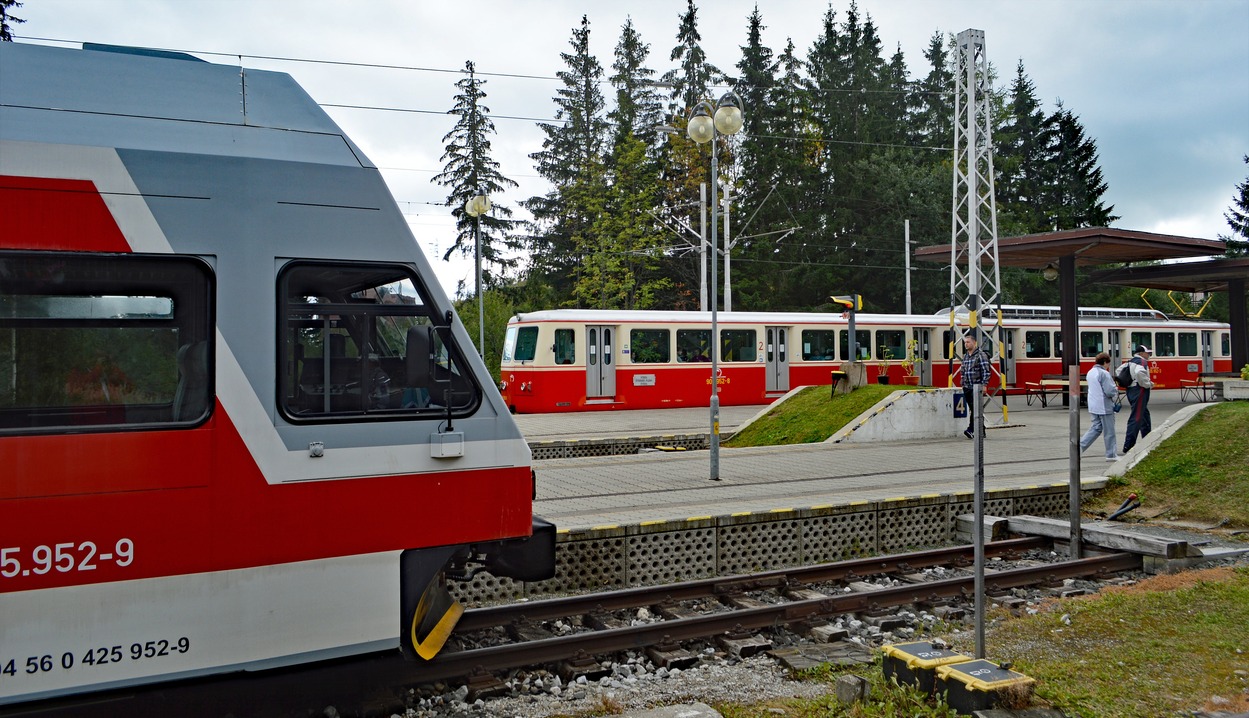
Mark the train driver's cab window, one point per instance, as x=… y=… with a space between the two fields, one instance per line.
x=693 y=345
x=648 y=346
x=363 y=341
x=1188 y=344
x=1164 y=344
x=520 y=344
x=1036 y=345
x=100 y=342
x=565 y=347
x=819 y=345
x=864 y=338
x=1090 y=344
x=738 y=345
x=1225 y=343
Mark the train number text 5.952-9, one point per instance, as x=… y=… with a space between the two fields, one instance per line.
x=63 y=557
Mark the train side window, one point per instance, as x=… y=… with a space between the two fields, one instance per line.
x=1036 y=345
x=1164 y=344
x=864 y=338
x=1145 y=338
x=693 y=345
x=819 y=345
x=361 y=341
x=890 y=344
x=565 y=346
x=738 y=345
x=1090 y=344
x=649 y=346
x=100 y=342
x=1225 y=343
x=1188 y=344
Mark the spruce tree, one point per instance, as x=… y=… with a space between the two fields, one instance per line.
x=468 y=171
x=572 y=160
x=1237 y=217
x=7 y=17
x=1076 y=185
x=638 y=111
x=694 y=77
x=1022 y=152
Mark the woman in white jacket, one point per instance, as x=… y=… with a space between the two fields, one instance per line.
x=1102 y=395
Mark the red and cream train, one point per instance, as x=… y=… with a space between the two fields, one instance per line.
x=580 y=360
x=240 y=426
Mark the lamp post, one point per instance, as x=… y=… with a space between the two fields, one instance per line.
x=706 y=123
x=476 y=207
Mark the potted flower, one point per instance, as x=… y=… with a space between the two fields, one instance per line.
x=909 y=363
x=882 y=368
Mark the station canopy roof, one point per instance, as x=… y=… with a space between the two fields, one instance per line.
x=1090 y=246
x=1209 y=276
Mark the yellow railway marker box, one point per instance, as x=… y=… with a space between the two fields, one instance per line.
x=915 y=664
x=980 y=685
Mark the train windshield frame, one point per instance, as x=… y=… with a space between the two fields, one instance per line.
x=389 y=356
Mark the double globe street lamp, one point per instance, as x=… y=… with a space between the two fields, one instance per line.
x=706 y=122
x=475 y=208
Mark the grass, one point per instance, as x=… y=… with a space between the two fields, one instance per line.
x=1201 y=473
x=810 y=416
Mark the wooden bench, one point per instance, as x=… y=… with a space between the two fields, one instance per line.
x=1207 y=386
x=1044 y=389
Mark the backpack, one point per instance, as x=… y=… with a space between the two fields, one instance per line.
x=1123 y=377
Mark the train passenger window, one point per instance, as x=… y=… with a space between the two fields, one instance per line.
x=1164 y=344
x=738 y=345
x=1036 y=345
x=649 y=346
x=1145 y=338
x=864 y=338
x=1225 y=343
x=98 y=342
x=363 y=341
x=693 y=345
x=520 y=345
x=1090 y=344
x=890 y=344
x=1188 y=344
x=565 y=347
x=819 y=345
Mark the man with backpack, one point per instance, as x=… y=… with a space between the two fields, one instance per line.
x=1137 y=374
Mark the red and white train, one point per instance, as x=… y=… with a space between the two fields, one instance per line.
x=240 y=426
x=580 y=360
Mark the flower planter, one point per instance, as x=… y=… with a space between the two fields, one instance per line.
x=882 y=379
x=910 y=380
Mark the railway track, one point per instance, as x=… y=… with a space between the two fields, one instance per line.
x=574 y=633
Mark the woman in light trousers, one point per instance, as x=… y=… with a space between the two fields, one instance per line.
x=1102 y=395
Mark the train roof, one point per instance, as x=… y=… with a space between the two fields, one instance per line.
x=1090 y=316
x=143 y=100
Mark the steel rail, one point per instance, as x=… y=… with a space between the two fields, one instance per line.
x=496 y=658
x=853 y=569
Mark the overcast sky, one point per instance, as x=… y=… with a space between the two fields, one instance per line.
x=1162 y=86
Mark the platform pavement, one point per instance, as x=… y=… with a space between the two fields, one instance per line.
x=584 y=493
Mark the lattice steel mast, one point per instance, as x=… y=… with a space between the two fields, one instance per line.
x=975 y=281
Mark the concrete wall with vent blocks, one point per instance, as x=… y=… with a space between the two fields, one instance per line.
x=577 y=448
x=657 y=552
x=906 y=414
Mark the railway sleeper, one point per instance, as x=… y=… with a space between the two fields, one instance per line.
x=669 y=654
x=582 y=665
x=743 y=646
x=483 y=684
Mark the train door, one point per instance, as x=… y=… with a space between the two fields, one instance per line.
x=1207 y=351
x=777 y=359
x=923 y=364
x=1114 y=337
x=600 y=363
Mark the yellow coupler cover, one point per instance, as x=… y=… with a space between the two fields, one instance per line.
x=914 y=664
x=980 y=685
